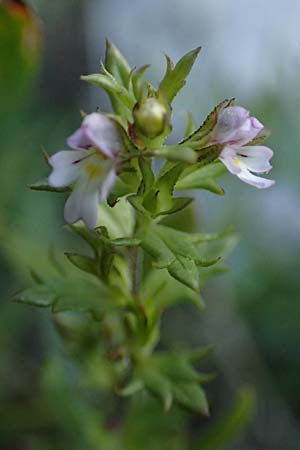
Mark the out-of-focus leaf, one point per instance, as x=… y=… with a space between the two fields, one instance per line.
x=84 y=263
x=81 y=294
x=191 y=396
x=158 y=385
x=39 y=295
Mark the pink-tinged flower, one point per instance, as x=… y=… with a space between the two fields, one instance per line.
x=90 y=167
x=236 y=128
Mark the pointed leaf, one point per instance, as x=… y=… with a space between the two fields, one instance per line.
x=159 y=386
x=174 y=78
x=111 y=86
x=83 y=262
x=177 y=153
x=191 y=396
x=190 y=125
x=38 y=295
x=116 y=64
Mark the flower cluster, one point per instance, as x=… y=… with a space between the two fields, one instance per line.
x=91 y=166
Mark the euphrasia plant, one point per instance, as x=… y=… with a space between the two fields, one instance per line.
x=138 y=266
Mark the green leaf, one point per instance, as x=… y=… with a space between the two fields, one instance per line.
x=209 y=154
x=158 y=385
x=202 y=178
x=185 y=270
x=131 y=388
x=42 y=185
x=89 y=236
x=191 y=396
x=148 y=178
x=177 y=153
x=190 y=125
x=178 y=204
x=159 y=200
x=199 y=238
x=126 y=242
x=84 y=263
x=82 y=295
x=161 y=291
x=107 y=82
x=38 y=295
x=170 y=375
x=174 y=78
x=181 y=244
x=174 y=250
x=138 y=81
x=116 y=64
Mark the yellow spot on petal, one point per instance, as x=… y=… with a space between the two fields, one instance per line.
x=93 y=171
x=237 y=162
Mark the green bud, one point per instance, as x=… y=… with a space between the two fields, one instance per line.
x=151 y=117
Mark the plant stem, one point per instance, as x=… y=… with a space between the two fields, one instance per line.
x=136 y=268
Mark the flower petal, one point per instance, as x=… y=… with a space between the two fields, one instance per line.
x=256 y=158
x=83 y=204
x=228 y=157
x=259 y=182
x=79 y=140
x=66 y=167
x=107 y=185
x=98 y=131
x=235 y=126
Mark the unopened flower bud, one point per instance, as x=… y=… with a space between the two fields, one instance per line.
x=151 y=117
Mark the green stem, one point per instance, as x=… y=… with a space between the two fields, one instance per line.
x=136 y=267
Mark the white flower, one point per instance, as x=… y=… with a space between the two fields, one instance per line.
x=90 y=167
x=245 y=160
x=235 y=128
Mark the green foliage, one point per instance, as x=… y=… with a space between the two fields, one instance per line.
x=82 y=295
x=135 y=265
x=202 y=177
x=174 y=78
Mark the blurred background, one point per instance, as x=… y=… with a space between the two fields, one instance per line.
x=251 y=51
